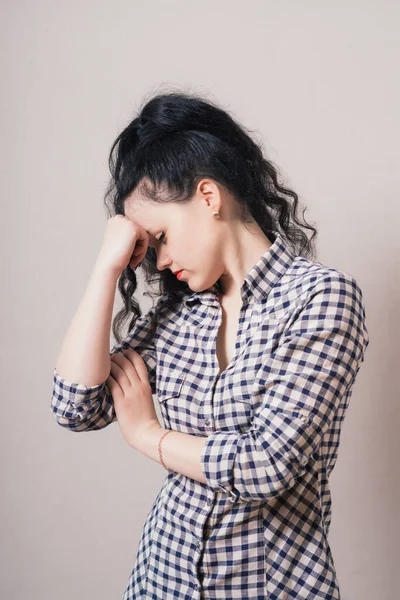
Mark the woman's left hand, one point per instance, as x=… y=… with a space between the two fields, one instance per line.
x=133 y=402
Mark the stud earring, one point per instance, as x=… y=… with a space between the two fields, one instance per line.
x=216 y=214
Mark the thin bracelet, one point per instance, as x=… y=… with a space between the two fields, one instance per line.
x=160 y=453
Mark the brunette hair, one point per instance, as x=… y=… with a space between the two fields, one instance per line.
x=175 y=140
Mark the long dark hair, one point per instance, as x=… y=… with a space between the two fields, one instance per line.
x=175 y=140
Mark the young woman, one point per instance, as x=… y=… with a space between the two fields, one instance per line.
x=251 y=349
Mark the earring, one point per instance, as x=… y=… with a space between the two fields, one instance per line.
x=216 y=214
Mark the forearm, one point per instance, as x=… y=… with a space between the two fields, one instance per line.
x=85 y=352
x=180 y=451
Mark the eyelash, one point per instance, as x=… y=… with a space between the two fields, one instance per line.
x=162 y=237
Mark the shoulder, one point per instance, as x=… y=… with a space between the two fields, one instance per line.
x=329 y=306
x=306 y=279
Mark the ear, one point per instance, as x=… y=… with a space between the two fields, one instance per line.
x=209 y=190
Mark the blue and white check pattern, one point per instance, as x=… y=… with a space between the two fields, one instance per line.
x=258 y=529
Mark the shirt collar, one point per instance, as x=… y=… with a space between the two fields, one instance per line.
x=260 y=279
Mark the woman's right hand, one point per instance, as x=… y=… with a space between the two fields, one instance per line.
x=125 y=243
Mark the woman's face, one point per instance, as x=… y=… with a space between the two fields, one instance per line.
x=185 y=235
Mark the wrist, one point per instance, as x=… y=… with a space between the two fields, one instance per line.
x=146 y=436
x=106 y=271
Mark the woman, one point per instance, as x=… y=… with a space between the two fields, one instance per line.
x=252 y=350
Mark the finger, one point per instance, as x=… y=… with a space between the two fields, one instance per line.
x=138 y=250
x=113 y=385
x=141 y=246
x=138 y=363
x=124 y=361
x=143 y=238
x=120 y=374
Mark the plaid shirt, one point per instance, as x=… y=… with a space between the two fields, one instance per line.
x=258 y=529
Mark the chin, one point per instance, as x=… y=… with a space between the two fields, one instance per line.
x=202 y=287
x=192 y=284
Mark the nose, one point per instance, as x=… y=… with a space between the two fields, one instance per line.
x=162 y=260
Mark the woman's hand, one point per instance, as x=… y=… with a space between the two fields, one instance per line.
x=125 y=243
x=133 y=402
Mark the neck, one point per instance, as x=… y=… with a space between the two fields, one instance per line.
x=241 y=254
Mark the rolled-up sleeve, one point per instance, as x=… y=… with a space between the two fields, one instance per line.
x=79 y=407
x=302 y=385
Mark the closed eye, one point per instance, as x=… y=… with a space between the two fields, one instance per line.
x=162 y=237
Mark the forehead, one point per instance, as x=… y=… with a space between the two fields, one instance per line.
x=148 y=214
x=142 y=209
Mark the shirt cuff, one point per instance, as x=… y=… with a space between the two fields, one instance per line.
x=75 y=393
x=217 y=460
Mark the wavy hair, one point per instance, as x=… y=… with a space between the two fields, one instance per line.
x=175 y=140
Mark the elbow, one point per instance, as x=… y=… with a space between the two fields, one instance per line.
x=79 y=407
x=69 y=423
x=269 y=480
x=67 y=416
x=264 y=476
x=83 y=417
x=254 y=468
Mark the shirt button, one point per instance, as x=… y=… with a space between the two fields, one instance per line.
x=209 y=501
x=207 y=421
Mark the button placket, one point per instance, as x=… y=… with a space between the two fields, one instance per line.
x=304 y=460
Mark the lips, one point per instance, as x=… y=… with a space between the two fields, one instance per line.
x=179 y=273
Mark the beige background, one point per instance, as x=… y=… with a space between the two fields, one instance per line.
x=318 y=82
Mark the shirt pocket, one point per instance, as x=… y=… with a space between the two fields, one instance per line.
x=176 y=402
x=173 y=400
x=170 y=387
x=237 y=407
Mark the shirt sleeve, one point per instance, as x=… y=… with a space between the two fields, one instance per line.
x=301 y=385
x=79 y=407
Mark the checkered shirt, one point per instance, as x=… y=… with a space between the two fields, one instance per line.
x=258 y=528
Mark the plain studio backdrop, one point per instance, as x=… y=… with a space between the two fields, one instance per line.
x=318 y=83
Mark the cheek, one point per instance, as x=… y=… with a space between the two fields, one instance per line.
x=195 y=248
x=198 y=244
